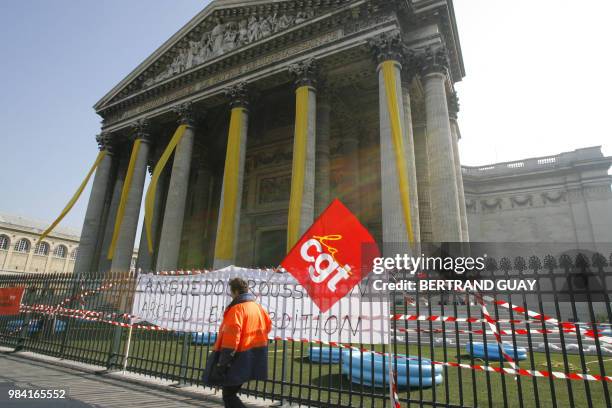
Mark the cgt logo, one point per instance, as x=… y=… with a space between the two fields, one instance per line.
x=326 y=262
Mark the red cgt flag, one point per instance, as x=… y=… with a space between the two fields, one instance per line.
x=10 y=300
x=333 y=256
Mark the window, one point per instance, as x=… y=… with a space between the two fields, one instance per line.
x=4 y=242
x=74 y=253
x=42 y=248
x=60 y=251
x=23 y=245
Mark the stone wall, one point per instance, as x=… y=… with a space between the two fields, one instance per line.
x=563 y=198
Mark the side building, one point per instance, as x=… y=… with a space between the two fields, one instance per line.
x=21 y=252
x=563 y=198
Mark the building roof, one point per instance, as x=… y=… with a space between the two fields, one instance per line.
x=37 y=226
x=585 y=156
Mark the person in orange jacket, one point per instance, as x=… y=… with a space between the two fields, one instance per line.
x=240 y=353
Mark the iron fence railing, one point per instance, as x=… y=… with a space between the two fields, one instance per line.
x=453 y=345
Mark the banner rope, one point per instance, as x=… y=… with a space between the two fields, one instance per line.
x=152 y=189
x=75 y=197
x=124 y=197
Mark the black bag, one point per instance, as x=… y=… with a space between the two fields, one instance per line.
x=216 y=373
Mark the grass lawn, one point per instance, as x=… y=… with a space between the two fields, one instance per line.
x=160 y=355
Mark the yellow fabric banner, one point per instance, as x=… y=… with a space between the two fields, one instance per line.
x=224 y=244
x=150 y=195
x=299 y=165
x=398 y=143
x=75 y=197
x=127 y=184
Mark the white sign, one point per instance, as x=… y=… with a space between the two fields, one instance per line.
x=195 y=303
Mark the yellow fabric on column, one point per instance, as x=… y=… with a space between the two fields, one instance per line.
x=75 y=197
x=124 y=197
x=150 y=195
x=388 y=68
x=224 y=243
x=298 y=169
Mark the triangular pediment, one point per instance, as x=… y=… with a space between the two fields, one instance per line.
x=223 y=27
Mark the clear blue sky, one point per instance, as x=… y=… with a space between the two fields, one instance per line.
x=536 y=83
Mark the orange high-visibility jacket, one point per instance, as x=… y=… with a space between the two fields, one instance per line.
x=242 y=344
x=245 y=326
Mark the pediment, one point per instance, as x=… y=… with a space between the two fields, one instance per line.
x=223 y=27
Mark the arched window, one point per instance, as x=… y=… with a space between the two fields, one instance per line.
x=23 y=245
x=4 y=242
x=74 y=253
x=60 y=251
x=42 y=248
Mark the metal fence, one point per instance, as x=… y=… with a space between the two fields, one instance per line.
x=561 y=359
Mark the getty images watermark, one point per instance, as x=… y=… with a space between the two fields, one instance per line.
x=402 y=265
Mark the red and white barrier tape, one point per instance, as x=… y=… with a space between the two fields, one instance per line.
x=501 y=370
x=519 y=332
x=550 y=320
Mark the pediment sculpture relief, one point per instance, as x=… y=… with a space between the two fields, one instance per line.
x=225 y=37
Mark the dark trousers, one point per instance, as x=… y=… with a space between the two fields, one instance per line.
x=230 y=399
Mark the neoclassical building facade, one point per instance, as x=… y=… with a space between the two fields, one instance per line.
x=262 y=112
x=557 y=198
x=21 y=251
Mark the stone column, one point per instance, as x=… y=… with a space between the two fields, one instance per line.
x=127 y=232
x=422 y=169
x=144 y=262
x=445 y=216
x=104 y=263
x=411 y=156
x=84 y=263
x=301 y=202
x=322 y=192
x=453 y=109
x=197 y=226
x=174 y=213
x=228 y=224
x=388 y=51
x=350 y=160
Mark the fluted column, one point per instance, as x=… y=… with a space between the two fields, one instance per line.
x=174 y=213
x=453 y=108
x=93 y=222
x=398 y=185
x=322 y=159
x=145 y=259
x=124 y=247
x=445 y=217
x=301 y=201
x=411 y=156
x=422 y=169
x=231 y=192
x=104 y=264
x=197 y=224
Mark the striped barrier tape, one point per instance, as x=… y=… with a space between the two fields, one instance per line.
x=550 y=320
x=501 y=370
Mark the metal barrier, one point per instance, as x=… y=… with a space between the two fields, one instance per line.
x=559 y=360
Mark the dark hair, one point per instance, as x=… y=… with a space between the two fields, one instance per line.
x=239 y=285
